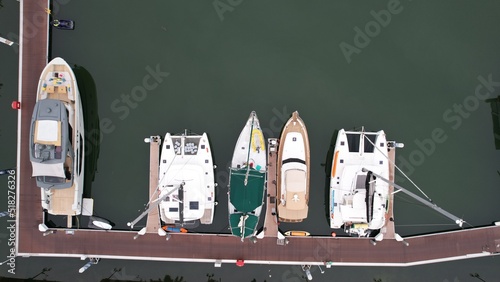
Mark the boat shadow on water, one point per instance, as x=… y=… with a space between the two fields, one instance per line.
x=495 y=115
x=328 y=169
x=88 y=93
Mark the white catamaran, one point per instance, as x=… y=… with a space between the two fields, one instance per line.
x=358 y=200
x=186 y=180
x=57 y=140
x=247 y=179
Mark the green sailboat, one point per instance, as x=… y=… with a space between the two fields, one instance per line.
x=247 y=180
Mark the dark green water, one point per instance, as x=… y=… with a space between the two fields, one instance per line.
x=411 y=76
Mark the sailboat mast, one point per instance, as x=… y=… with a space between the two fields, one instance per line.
x=249 y=147
x=456 y=219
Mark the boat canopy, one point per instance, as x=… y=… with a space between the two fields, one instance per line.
x=46 y=169
x=246 y=198
x=243 y=225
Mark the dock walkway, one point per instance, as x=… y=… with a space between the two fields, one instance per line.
x=314 y=250
x=389 y=230
x=271 y=220
x=33 y=57
x=153 y=219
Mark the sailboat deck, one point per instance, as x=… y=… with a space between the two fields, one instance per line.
x=431 y=248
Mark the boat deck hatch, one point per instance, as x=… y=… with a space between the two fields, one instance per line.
x=361 y=181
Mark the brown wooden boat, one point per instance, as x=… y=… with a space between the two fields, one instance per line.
x=293 y=171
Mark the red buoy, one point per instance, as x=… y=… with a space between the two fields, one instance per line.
x=16 y=105
x=240 y=262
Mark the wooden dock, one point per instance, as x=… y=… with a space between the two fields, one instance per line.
x=153 y=219
x=212 y=248
x=389 y=229
x=33 y=57
x=271 y=220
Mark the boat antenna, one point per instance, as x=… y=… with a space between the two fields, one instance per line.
x=456 y=219
x=429 y=199
x=249 y=147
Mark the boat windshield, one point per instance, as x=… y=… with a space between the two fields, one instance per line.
x=369 y=148
x=50 y=179
x=353 y=142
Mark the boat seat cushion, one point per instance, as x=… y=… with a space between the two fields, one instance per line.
x=295 y=180
x=48 y=132
x=61 y=90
